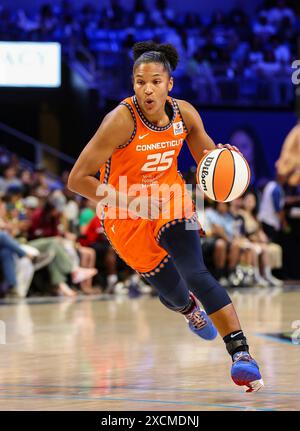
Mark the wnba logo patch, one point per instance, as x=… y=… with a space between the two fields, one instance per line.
x=178 y=128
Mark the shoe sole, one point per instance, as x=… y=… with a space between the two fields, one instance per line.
x=250 y=379
x=254 y=386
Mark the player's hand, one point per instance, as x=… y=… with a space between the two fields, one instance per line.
x=230 y=147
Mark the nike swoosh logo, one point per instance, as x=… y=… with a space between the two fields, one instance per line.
x=232 y=336
x=143 y=136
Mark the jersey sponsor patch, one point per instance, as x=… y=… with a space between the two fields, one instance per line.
x=178 y=128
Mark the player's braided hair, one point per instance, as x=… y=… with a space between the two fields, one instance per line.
x=152 y=52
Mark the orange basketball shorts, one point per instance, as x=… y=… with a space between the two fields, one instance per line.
x=136 y=241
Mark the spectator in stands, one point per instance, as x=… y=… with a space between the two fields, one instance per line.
x=247 y=141
x=9 y=248
x=4 y=158
x=44 y=234
x=211 y=51
x=15 y=162
x=84 y=256
x=263 y=29
x=227 y=223
x=41 y=183
x=289 y=236
x=225 y=38
x=45 y=221
x=289 y=159
x=9 y=178
x=18 y=263
x=203 y=82
x=70 y=211
x=88 y=257
x=6 y=23
x=26 y=178
x=239 y=20
x=3 y=211
x=238 y=50
x=87 y=213
x=15 y=212
x=93 y=236
x=219 y=29
x=256 y=53
x=23 y=269
x=281 y=50
x=278 y=12
x=161 y=14
x=115 y=13
x=62 y=267
x=14 y=200
x=28 y=26
x=277 y=73
x=192 y=21
x=139 y=18
x=271 y=253
x=221 y=224
x=215 y=255
x=250 y=252
x=287 y=31
x=68 y=32
x=47 y=22
x=271 y=208
x=269 y=66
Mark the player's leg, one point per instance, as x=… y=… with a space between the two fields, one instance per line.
x=174 y=294
x=184 y=247
x=135 y=243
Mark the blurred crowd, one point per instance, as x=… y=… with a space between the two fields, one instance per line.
x=223 y=56
x=52 y=242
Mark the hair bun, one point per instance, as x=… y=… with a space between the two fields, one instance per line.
x=140 y=48
x=168 y=50
x=171 y=54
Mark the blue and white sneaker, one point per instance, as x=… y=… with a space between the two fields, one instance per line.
x=245 y=372
x=199 y=322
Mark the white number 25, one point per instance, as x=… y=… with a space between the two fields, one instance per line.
x=159 y=161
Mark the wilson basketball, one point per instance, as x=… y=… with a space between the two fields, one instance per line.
x=223 y=175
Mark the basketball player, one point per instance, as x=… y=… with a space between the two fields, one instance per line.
x=141 y=140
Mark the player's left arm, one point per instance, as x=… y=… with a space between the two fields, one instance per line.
x=199 y=142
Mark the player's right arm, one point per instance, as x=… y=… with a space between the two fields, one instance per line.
x=115 y=130
x=199 y=142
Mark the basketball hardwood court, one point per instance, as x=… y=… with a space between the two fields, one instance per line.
x=133 y=354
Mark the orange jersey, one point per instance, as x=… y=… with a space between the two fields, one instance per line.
x=148 y=158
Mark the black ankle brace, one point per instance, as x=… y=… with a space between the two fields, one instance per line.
x=235 y=346
x=236 y=342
